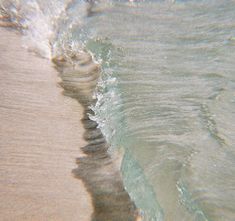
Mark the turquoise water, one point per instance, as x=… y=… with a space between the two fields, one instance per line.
x=166 y=98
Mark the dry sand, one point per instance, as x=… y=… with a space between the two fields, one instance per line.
x=40 y=137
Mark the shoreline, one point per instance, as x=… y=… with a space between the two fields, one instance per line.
x=41 y=135
x=95 y=191
x=99 y=170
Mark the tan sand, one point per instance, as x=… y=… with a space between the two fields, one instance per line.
x=40 y=137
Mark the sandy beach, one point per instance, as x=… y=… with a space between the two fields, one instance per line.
x=41 y=135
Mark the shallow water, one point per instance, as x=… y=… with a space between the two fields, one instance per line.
x=165 y=99
x=174 y=71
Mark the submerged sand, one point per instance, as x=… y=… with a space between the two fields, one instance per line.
x=40 y=136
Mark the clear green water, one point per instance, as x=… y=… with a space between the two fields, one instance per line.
x=172 y=104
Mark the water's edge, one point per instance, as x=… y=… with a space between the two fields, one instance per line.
x=98 y=170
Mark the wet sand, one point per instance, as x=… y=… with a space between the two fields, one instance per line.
x=40 y=137
x=99 y=170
